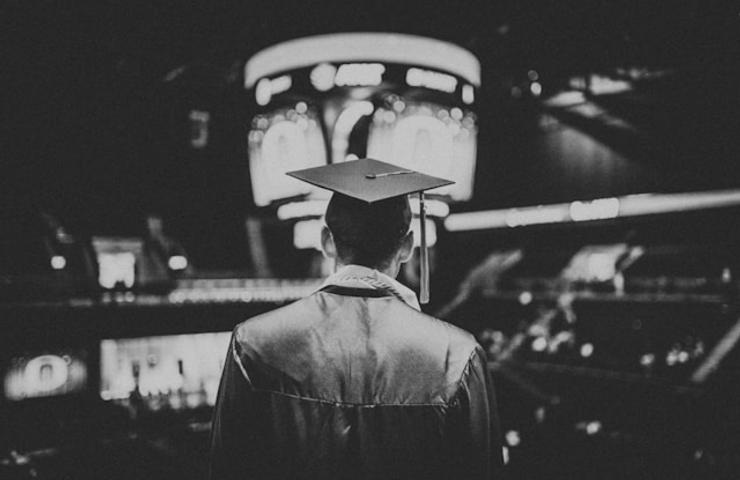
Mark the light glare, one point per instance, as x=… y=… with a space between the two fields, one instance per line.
x=513 y=438
x=177 y=262
x=431 y=232
x=598 y=209
x=322 y=77
x=525 y=298
x=601 y=85
x=263 y=92
x=359 y=47
x=307 y=234
x=310 y=208
x=565 y=99
x=592 y=428
x=535 y=216
x=58 y=262
x=587 y=350
x=281 y=84
x=359 y=74
x=468 y=94
x=539 y=344
x=417 y=77
x=434 y=208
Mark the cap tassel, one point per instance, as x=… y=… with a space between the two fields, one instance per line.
x=424 y=259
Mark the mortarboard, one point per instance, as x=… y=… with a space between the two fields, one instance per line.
x=370 y=181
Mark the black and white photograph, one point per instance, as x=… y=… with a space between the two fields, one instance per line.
x=373 y=240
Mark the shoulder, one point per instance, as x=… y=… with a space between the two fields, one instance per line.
x=297 y=318
x=432 y=347
x=408 y=330
x=457 y=337
x=294 y=316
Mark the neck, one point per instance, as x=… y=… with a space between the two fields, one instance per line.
x=391 y=270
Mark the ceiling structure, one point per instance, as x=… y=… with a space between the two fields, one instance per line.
x=84 y=80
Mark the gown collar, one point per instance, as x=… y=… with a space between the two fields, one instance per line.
x=360 y=277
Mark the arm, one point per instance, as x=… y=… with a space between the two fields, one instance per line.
x=480 y=433
x=232 y=429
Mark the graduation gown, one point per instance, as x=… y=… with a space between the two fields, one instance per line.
x=353 y=383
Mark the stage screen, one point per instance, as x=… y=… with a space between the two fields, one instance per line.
x=45 y=374
x=117 y=261
x=179 y=371
x=430 y=138
x=281 y=141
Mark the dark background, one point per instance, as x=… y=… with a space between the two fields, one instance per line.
x=94 y=101
x=95 y=98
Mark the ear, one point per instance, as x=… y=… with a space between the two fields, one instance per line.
x=328 y=247
x=407 y=248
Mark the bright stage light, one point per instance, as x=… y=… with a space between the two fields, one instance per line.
x=266 y=88
x=307 y=234
x=118 y=267
x=592 y=428
x=263 y=92
x=565 y=99
x=322 y=77
x=513 y=438
x=431 y=232
x=604 y=208
x=535 y=216
x=177 y=262
x=281 y=84
x=525 y=298
x=539 y=344
x=58 y=262
x=598 y=209
x=462 y=222
x=434 y=208
x=309 y=208
x=417 y=77
x=359 y=74
x=282 y=141
x=468 y=94
x=337 y=48
x=601 y=85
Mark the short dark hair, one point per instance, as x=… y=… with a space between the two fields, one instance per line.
x=368 y=234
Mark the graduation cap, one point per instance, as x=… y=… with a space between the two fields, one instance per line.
x=370 y=181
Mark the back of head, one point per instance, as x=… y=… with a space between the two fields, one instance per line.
x=368 y=234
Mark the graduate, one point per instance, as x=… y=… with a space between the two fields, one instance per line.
x=354 y=381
